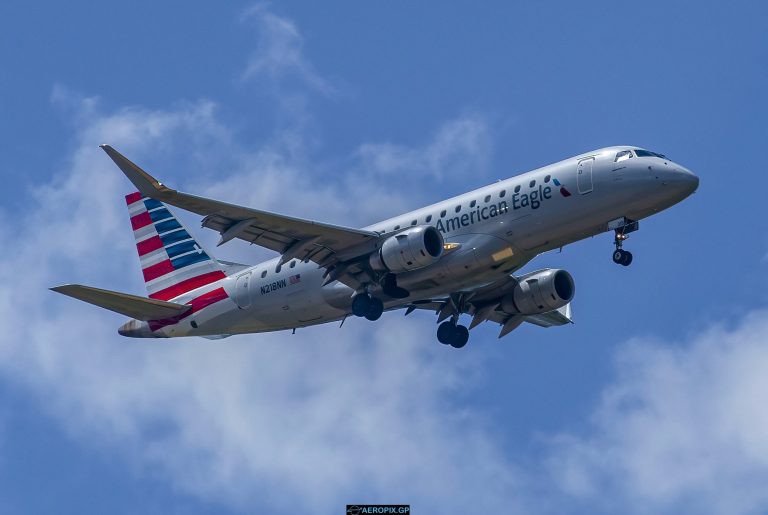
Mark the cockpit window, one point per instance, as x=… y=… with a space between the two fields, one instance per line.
x=623 y=155
x=648 y=153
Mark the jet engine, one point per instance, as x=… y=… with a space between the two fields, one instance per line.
x=413 y=248
x=540 y=292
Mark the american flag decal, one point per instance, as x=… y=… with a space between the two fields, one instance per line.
x=295 y=278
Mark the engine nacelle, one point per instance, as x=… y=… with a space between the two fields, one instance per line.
x=540 y=292
x=410 y=249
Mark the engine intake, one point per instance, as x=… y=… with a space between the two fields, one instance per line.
x=540 y=292
x=413 y=248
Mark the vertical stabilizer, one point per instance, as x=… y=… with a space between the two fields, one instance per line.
x=172 y=262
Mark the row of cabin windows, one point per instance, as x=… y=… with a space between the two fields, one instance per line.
x=472 y=204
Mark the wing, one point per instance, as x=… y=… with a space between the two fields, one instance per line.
x=484 y=305
x=294 y=238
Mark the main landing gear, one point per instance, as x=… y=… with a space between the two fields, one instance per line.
x=450 y=333
x=368 y=306
x=622 y=227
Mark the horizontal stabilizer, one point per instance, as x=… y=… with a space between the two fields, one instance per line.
x=140 y=308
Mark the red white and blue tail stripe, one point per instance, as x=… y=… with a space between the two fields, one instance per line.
x=172 y=262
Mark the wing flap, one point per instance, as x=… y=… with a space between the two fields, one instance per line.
x=554 y=318
x=140 y=308
x=490 y=313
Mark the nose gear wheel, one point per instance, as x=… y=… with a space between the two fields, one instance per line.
x=621 y=233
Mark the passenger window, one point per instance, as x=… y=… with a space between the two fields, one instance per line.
x=623 y=156
x=517 y=189
x=503 y=192
x=278 y=268
x=396 y=228
x=413 y=222
x=547 y=178
x=442 y=213
x=458 y=208
x=263 y=274
x=429 y=218
x=487 y=199
x=473 y=203
x=293 y=264
x=532 y=184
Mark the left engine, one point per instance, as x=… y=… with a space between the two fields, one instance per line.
x=411 y=249
x=540 y=292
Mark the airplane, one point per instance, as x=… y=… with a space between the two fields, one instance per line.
x=456 y=257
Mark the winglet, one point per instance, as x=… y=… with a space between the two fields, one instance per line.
x=145 y=183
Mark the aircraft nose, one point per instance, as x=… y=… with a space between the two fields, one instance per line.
x=680 y=181
x=688 y=182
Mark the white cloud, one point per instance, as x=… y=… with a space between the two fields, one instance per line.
x=682 y=429
x=280 y=52
x=460 y=147
x=316 y=419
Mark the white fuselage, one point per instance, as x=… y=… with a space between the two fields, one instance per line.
x=498 y=228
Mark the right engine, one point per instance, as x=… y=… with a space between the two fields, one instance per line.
x=408 y=250
x=540 y=292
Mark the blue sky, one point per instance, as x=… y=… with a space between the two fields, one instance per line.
x=351 y=112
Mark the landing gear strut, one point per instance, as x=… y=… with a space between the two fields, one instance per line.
x=450 y=333
x=622 y=227
x=368 y=306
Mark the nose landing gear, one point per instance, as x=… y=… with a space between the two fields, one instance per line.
x=622 y=257
x=622 y=227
